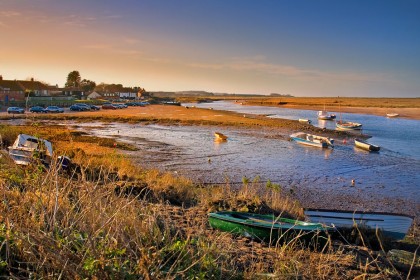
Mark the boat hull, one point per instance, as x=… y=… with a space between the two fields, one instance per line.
x=305 y=121
x=393 y=226
x=366 y=146
x=267 y=227
x=312 y=140
x=27 y=149
x=220 y=136
x=348 y=126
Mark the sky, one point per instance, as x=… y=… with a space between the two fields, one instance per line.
x=358 y=48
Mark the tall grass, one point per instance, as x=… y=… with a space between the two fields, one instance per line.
x=145 y=224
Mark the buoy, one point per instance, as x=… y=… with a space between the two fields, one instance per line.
x=344 y=141
x=353 y=182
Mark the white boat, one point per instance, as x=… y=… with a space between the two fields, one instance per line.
x=392 y=115
x=393 y=226
x=323 y=115
x=366 y=145
x=343 y=125
x=27 y=148
x=312 y=140
x=305 y=121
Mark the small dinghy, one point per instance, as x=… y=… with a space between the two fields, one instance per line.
x=220 y=136
x=312 y=140
x=266 y=227
x=366 y=146
x=343 y=125
x=305 y=121
x=27 y=149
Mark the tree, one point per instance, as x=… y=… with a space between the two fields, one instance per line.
x=87 y=85
x=73 y=79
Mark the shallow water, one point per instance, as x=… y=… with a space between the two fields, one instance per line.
x=385 y=181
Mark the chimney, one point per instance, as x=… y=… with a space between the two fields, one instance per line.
x=32 y=79
x=1 y=78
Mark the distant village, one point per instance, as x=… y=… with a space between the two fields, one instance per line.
x=30 y=92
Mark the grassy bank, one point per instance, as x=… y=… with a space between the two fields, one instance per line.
x=108 y=219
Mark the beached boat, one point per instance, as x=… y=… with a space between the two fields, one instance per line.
x=266 y=227
x=394 y=226
x=312 y=140
x=392 y=115
x=305 y=121
x=220 y=136
x=343 y=125
x=366 y=145
x=27 y=148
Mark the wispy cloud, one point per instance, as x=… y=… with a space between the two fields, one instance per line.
x=9 y=14
x=112 y=49
x=259 y=64
x=98 y=47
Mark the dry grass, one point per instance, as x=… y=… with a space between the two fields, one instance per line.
x=144 y=224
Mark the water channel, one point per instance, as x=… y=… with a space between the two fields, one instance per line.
x=385 y=181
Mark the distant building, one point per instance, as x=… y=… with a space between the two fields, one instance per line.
x=18 y=90
x=94 y=95
x=75 y=92
x=127 y=93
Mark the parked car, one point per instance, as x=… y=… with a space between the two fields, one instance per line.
x=84 y=106
x=37 y=109
x=15 y=110
x=78 y=107
x=54 y=109
x=94 y=107
x=109 y=106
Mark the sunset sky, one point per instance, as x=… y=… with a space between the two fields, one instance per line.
x=297 y=47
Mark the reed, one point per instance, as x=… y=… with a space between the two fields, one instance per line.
x=145 y=224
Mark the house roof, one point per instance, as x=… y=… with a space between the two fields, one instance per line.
x=10 y=85
x=33 y=85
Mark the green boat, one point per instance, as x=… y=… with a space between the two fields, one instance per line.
x=268 y=227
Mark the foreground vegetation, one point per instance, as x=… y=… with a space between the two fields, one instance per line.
x=105 y=218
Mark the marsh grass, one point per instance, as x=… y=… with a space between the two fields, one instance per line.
x=145 y=224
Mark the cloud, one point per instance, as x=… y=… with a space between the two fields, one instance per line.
x=259 y=64
x=98 y=47
x=9 y=14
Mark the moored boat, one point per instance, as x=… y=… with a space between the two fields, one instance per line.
x=220 y=136
x=266 y=227
x=393 y=226
x=312 y=140
x=366 y=145
x=392 y=115
x=27 y=148
x=323 y=115
x=343 y=125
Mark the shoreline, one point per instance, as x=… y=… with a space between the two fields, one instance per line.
x=404 y=113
